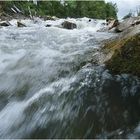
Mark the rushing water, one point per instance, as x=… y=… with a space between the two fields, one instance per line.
x=52 y=85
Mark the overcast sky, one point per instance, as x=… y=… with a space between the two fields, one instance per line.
x=124 y=6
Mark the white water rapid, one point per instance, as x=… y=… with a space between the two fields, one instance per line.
x=52 y=85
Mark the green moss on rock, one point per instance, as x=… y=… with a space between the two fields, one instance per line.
x=126 y=57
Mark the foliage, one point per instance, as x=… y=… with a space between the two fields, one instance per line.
x=111 y=10
x=72 y=8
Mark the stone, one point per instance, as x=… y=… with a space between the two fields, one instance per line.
x=19 y=24
x=89 y=20
x=113 y=24
x=127 y=23
x=5 y=23
x=48 y=25
x=126 y=57
x=50 y=18
x=68 y=25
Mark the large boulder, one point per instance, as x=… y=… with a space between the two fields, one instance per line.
x=5 y=23
x=127 y=23
x=121 y=54
x=69 y=25
x=126 y=57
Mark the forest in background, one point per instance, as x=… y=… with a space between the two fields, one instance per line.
x=63 y=9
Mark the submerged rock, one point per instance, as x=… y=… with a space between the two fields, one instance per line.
x=69 y=25
x=48 y=25
x=19 y=24
x=5 y=23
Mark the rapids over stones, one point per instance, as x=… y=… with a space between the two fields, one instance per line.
x=53 y=83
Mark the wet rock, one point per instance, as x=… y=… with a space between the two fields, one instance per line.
x=48 y=25
x=69 y=25
x=19 y=24
x=89 y=20
x=127 y=23
x=104 y=23
x=50 y=18
x=5 y=23
x=109 y=25
x=136 y=22
x=126 y=56
x=113 y=24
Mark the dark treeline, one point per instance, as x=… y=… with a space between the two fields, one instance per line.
x=76 y=9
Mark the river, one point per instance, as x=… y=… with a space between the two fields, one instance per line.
x=52 y=84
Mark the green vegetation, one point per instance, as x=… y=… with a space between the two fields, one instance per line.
x=126 y=57
x=72 y=8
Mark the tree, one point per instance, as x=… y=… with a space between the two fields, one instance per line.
x=111 y=10
x=71 y=8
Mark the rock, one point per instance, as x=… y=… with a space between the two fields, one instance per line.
x=136 y=22
x=127 y=23
x=50 y=18
x=68 y=25
x=113 y=30
x=89 y=20
x=55 y=18
x=5 y=23
x=121 y=54
x=103 y=23
x=19 y=24
x=48 y=25
x=126 y=57
x=113 y=24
